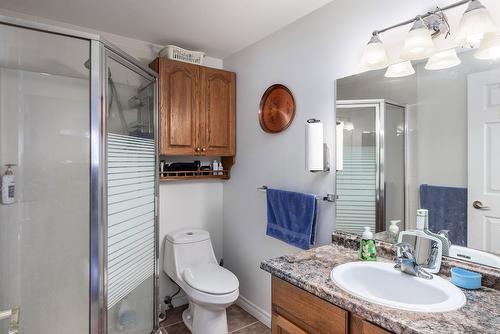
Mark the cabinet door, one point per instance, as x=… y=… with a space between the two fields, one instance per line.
x=179 y=94
x=218 y=106
x=281 y=325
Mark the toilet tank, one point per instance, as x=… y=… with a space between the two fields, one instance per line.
x=186 y=248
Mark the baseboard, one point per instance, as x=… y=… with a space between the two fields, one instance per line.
x=254 y=310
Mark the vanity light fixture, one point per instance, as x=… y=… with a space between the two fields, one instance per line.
x=490 y=47
x=401 y=69
x=475 y=23
x=374 y=54
x=443 y=59
x=418 y=43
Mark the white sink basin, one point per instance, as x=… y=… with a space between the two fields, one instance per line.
x=380 y=283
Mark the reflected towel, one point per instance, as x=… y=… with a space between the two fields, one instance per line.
x=447 y=210
x=291 y=217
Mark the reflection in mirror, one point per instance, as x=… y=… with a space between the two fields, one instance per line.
x=430 y=140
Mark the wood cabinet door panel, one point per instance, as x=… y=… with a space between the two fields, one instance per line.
x=315 y=315
x=280 y=325
x=217 y=125
x=179 y=108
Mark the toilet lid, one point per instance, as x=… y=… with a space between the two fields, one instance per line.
x=211 y=278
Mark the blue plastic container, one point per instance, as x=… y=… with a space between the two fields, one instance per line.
x=465 y=278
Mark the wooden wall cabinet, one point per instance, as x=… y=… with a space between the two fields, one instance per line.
x=296 y=311
x=197 y=109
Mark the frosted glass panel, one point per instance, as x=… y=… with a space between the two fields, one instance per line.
x=131 y=214
x=44 y=131
x=131 y=200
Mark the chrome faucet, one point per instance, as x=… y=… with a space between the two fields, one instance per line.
x=406 y=261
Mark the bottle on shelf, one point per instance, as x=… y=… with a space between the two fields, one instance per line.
x=215 y=167
x=8 y=185
x=220 y=168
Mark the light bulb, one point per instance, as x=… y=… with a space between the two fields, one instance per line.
x=490 y=47
x=418 y=43
x=374 y=55
x=475 y=23
x=443 y=59
x=399 y=70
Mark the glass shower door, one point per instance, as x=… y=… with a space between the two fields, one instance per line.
x=44 y=226
x=357 y=182
x=131 y=183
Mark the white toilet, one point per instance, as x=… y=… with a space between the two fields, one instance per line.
x=190 y=261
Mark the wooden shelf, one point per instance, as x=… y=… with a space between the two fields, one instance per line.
x=193 y=175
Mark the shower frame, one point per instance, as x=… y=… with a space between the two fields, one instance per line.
x=380 y=112
x=100 y=50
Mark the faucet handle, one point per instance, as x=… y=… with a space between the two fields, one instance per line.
x=445 y=233
x=405 y=250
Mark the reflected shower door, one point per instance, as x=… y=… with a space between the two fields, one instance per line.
x=131 y=187
x=44 y=229
x=356 y=183
x=371 y=185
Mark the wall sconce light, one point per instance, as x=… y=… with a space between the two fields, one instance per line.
x=374 y=54
x=443 y=59
x=475 y=23
x=418 y=43
x=490 y=47
x=399 y=70
x=476 y=26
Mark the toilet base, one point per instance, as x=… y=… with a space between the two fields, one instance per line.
x=202 y=320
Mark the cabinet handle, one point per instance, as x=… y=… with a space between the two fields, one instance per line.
x=204 y=149
x=197 y=149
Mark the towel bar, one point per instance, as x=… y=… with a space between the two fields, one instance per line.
x=327 y=198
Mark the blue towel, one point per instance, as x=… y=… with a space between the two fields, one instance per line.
x=447 y=210
x=291 y=217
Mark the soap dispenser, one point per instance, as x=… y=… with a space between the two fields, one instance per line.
x=367 y=249
x=8 y=186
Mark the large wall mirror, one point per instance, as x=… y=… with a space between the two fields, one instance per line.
x=427 y=140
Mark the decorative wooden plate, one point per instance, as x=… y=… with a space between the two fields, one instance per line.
x=277 y=109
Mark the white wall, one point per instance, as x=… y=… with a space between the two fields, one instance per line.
x=189 y=204
x=307 y=56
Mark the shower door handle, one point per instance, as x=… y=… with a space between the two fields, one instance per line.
x=13 y=315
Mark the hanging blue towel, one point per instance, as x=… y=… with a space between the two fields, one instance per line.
x=447 y=210
x=291 y=217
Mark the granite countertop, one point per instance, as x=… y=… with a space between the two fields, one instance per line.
x=310 y=270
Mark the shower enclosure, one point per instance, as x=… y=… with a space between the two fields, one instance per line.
x=371 y=183
x=78 y=245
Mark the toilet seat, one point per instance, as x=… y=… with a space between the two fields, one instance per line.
x=211 y=278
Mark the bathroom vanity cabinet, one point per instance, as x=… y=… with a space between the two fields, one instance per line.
x=197 y=109
x=296 y=311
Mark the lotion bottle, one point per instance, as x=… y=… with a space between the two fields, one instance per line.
x=8 y=186
x=394 y=230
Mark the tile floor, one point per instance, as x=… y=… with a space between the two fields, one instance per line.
x=238 y=322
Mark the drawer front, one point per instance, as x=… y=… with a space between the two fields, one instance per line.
x=281 y=325
x=358 y=325
x=307 y=311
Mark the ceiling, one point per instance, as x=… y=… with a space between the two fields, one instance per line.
x=217 y=27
